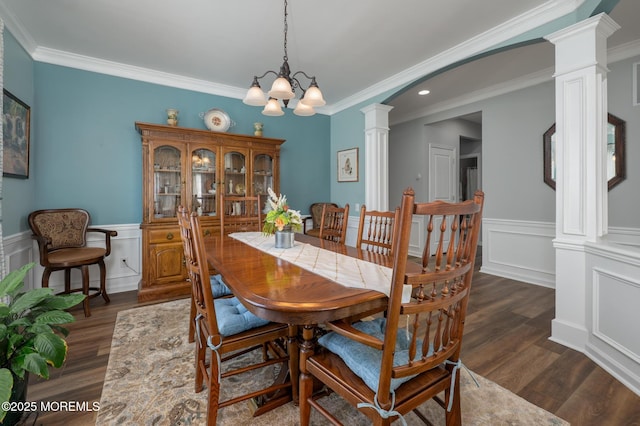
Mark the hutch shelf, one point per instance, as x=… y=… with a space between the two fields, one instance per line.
x=190 y=167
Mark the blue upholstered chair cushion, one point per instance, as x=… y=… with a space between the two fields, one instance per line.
x=364 y=360
x=218 y=287
x=234 y=318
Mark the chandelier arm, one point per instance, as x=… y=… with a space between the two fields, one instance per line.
x=303 y=73
x=265 y=74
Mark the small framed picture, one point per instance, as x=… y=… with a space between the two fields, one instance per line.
x=348 y=165
x=16 y=117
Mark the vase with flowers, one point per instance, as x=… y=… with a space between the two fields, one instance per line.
x=281 y=220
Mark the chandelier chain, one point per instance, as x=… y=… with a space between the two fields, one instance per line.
x=286 y=28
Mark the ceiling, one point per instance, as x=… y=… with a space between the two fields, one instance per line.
x=355 y=48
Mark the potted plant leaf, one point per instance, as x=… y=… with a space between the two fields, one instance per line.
x=31 y=336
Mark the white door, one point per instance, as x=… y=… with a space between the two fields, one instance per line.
x=443 y=173
x=443 y=180
x=442 y=185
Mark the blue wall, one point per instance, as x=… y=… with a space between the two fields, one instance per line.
x=87 y=153
x=19 y=195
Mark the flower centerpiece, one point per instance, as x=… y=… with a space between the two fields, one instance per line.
x=280 y=218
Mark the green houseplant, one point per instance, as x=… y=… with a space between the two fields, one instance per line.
x=31 y=336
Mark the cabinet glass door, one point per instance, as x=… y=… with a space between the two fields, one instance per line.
x=262 y=174
x=203 y=182
x=235 y=173
x=167 y=181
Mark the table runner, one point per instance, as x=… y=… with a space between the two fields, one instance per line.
x=345 y=270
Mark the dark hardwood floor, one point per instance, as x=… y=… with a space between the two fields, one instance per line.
x=506 y=340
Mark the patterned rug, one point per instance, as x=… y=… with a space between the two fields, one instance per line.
x=149 y=381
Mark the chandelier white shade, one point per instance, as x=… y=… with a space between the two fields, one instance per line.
x=255 y=96
x=272 y=108
x=303 y=109
x=283 y=88
x=313 y=95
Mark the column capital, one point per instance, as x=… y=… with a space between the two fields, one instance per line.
x=376 y=116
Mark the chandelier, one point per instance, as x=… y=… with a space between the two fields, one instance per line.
x=283 y=88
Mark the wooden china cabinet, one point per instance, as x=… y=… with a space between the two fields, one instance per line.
x=190 y=167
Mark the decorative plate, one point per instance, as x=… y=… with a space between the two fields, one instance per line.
x=217 y=120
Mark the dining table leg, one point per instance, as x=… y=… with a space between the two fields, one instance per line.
x=306 y=380
x=294 y=361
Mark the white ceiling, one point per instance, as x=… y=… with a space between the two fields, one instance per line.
x=354 y=48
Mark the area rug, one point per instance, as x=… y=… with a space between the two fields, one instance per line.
x=150 y=375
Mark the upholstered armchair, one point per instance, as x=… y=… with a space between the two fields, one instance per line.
x=62 y=242
x=315 y=210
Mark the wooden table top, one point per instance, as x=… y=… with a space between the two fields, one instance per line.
x=279 y=291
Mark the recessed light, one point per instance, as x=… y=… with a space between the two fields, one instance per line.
x=424 y=92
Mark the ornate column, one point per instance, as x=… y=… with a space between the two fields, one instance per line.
x=376 y=147
x=581 y=179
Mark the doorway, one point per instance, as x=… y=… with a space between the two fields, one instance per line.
x=470 y=177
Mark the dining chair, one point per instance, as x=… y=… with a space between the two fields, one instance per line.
x=240 y=213
x=226 y=329
x=377 y=230
x=315 y=211
x=218 y=286
x=388 y=366
x=333 y=224
x=62 y=243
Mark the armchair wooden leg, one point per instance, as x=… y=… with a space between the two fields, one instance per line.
x=67 y=280
x=85 y=289
x=45 y=277
x=103 y=281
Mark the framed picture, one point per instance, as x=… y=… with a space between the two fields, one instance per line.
x=15 y=136
x=348 y=165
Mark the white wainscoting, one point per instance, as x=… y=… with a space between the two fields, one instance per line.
x=20 y=249
x=520 y=250
x=613 y=292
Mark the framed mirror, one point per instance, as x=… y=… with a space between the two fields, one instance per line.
x=615 y=152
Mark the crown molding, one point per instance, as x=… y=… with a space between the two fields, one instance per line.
x=480 y=95
x=623 y=51
x=544 y=13
x=534 y=18
x=17 y=30
x=615 y=54
x=87 y=63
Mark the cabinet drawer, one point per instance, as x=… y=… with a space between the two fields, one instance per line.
x=164 y=235
x=209 y=231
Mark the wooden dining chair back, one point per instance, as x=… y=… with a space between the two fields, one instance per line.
x=239 y=213
x=315 y=210
x=389 y=366
x=333 y=224
x=376 y=230
x=218 y=287
x=62 y=242
x=227 y=330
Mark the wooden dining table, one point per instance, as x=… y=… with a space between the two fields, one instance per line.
x=280 y=291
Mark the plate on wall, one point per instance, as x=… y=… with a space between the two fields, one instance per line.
x=217 y=120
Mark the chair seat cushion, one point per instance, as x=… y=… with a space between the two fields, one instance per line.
x=218 y=287
x=234 y=318
x=364 y=360
x=76 y=256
